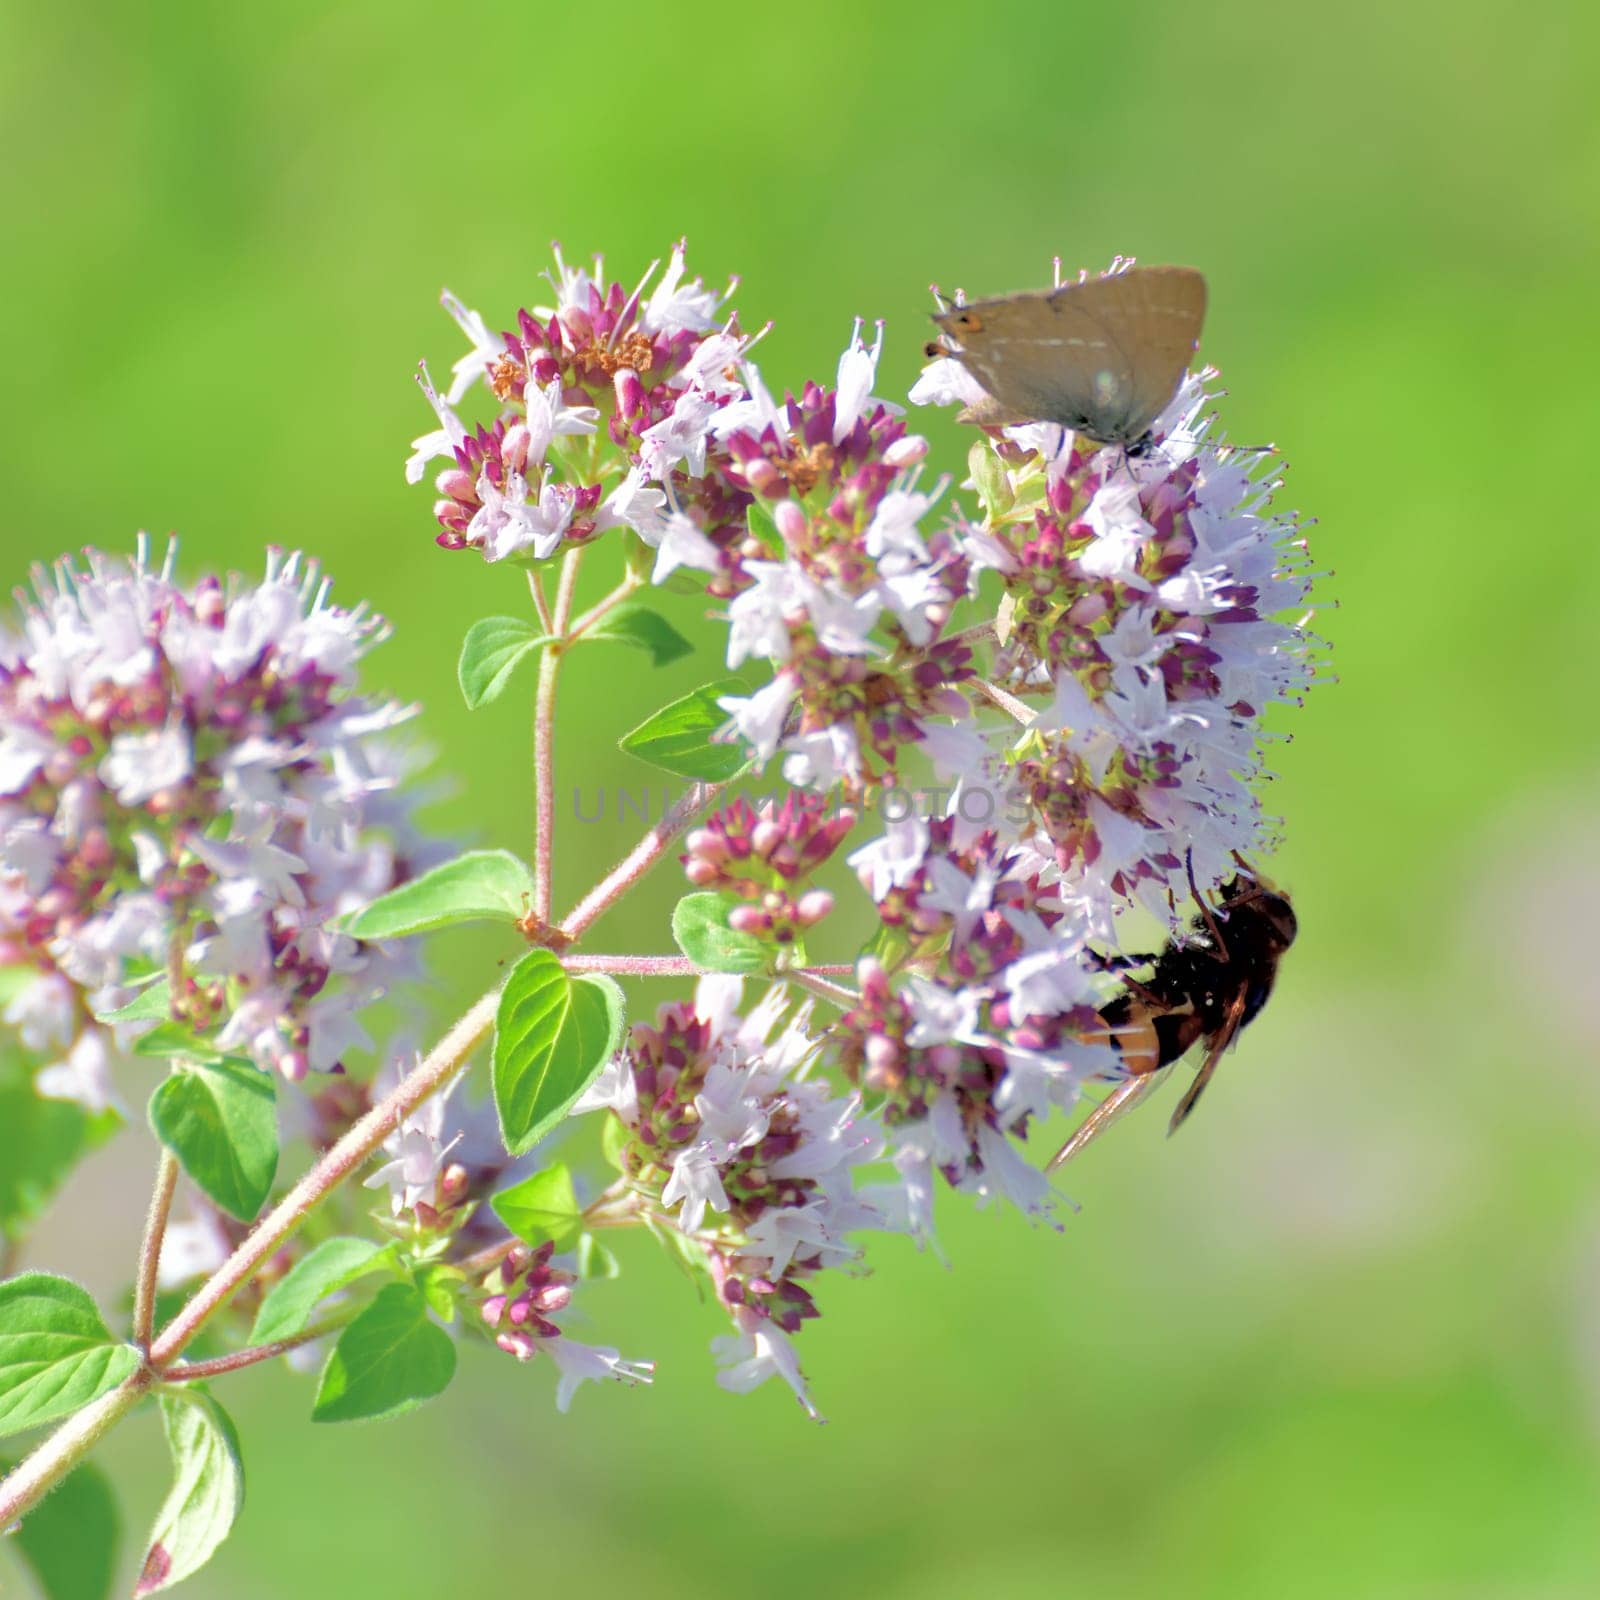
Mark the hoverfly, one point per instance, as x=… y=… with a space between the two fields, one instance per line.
x=1205 y=987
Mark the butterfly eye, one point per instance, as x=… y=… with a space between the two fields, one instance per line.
x=967 y=322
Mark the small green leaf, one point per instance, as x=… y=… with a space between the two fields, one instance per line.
x=492 y=650
x=206 y=1494
x=700 y=929
x=389 y=1360
x=40 y=1143
x=541 y=1207
x=594 y=1260
x=989 y=479
x=170 y=1040
x=480 y=886
x=220 y=1120
x=56 y=1353
x=553 y=1034
x=69 y=1540
x=440 y=1285
x=763 y=526
x=334 y=1264
x=153 y=1003
x=678 y=738
x=615 y=1137
x=644 y=629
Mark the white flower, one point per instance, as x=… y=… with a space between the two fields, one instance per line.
x=759 y=718
x=139 y=765
x=82 y=1076
x=858 y=367
x=590 y=1363
x=507 y=523
x=487 y=348
x=635 y=504
x=680 y=543
x=192 y=1248
x=676 y=306
x=696 y=1181
x=893 y=859
x=679 y=437
x=444 y=440
x=756 y=1352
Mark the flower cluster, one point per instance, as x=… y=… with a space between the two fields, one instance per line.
x=726 y=1141
x=526 y=1292
x=603 y=364
x=764 y=858
x=192 y=786
x=991 y=1020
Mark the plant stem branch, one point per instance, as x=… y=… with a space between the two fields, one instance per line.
x=194 y=1371
x=670 y=966
x=1007 y=702
x=544 y=736
x=67 y=1446
x=639 y=860
x=155 y=1231
x=834 y=993
x=541 y=606
x=439 y=1066
x=587 y=620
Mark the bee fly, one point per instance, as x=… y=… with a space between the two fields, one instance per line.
x=1204 y=987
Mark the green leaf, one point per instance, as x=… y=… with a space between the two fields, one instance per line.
x=492 y=650
x=69 y=1540
x=56 y=1353
x=171 y=1040
x=553 y=1034
x=989 y=478
x=482 y=885
x=644 y=629
x=615 y=1137
x=207 y=1490
x=153 y=1003
x=700 y=929
x=40 y=1143
x=678 y=737
x=440 y=1285
x=220 y=1120
x=594 y=1260
x=541 y=1207
x=763 y=527
x=389 y=1360
x=334 y=1264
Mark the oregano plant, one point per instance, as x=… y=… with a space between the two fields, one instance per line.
x=1017 y=717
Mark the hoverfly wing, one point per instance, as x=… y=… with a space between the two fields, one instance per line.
x=1224 y=1036
x=1112 y=1109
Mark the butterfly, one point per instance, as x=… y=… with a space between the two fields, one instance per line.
x=1102 y=357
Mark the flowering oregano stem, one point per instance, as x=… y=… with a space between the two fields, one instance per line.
x=834 y=993
x=587 y=620
x=540 y=605
x=39 y=1473
x=155 y=1231
x=640 y=859
x=435 y=1070
x=1007 y=702
x=670 y=966
x=194 y=1371
x=544 y=737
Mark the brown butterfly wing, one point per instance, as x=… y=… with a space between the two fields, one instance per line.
x=1102 y=357
x=1036 y=355
x=1152 y=316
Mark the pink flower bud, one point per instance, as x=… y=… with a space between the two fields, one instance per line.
x=905 y=452
x=629 y=391
x=514 y=447
x=749 y=919
x=812 y=907
x=791 y=521
x=457 y=483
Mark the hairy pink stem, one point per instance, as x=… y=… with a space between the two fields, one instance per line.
x=639 y=860
x=340 y=1161
x=155 y=1231
x=195 y=1371
x=670 y=966
x=544 y=738
x=1007 y=702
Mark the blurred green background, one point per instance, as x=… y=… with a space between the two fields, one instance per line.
x=1341 y=1338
